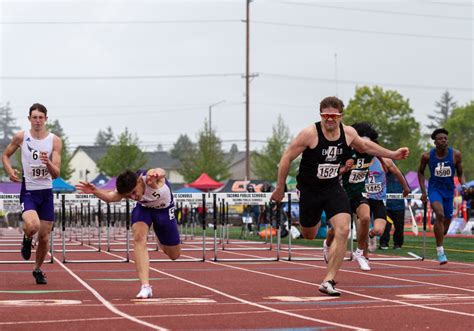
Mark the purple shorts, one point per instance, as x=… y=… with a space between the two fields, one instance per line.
x=163 y=220
x=42 y=201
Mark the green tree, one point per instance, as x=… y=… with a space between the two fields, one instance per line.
x=461 y=135
x=207 y=157
x=445 y=107
x=182 y=147
x=392 y=116
x=265 y=162
x=124 y=154
x=56 y=128
x=105 y=137
x=7 y=123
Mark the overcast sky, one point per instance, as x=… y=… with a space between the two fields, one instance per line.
x=156 y=66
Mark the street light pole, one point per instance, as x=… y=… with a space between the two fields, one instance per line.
x=210 y=112
x=247 y=94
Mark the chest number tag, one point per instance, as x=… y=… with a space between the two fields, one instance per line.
x=39 y=171
x=442 y=171
x=328 y=171
x=357 y=176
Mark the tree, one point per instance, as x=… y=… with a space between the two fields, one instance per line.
x=461 y=134
x=207 y=157
x=182 y=147
x=265 y=162
x=7 y=123
x=445 y=107
x=124 y=154
x=56 y=128
x=234 y=149
x=392 y=117
x=105 y=137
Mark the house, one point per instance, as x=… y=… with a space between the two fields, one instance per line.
x=84 y=163
x=237 y=166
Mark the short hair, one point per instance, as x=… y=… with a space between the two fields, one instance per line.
x=39 y=107
x=438 y=131
x=366 y=129
x=126 y=182
x=333 y=102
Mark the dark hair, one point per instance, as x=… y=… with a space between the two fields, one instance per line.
x=39 y=107
x=126 y=182
x=365 y=129
x=438 y=131
x=333 y=102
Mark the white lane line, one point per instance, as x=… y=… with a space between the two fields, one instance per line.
x=106 y=303
x=350 y=292
x=283 y=312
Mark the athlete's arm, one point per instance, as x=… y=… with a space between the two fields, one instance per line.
x=392 y=167
x=155 y=176
x=369 y=147
x=297 y=146
x=53 y=164
x=8 y=152
x=107 y=196
x=425 y=158
x=459 y=169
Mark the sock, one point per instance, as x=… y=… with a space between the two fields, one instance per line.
x=145 y=285
x=440 y=249
x=359 y=251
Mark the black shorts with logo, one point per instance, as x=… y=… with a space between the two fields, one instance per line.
x=333 y=200
x=377 y=209
x=356 y=201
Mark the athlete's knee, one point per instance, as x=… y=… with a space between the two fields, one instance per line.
x=342 y=230
x=43 y=238
x=140 y=238
x=173 y=253
x=308 y=233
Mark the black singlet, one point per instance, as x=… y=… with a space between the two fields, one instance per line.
x=319 y=167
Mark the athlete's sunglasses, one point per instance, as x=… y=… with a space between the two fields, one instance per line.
x=333 y=116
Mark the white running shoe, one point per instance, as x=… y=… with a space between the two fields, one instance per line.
x=145 y=292
x=372 y=244
x=363 y=263
x=325 y=252
x=329 y=288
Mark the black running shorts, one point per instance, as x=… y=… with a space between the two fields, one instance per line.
x=332 y=200
x=377 y=209
x=356 y=201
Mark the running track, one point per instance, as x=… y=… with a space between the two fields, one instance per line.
x=236 y=295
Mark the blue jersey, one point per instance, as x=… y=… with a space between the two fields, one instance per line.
x=442 y=171
x=394 y=186
x=376 y=182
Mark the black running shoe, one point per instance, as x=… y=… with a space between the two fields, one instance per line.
x=39 y=276
x=26 y=247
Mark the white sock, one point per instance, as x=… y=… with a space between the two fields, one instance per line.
x=440 y=249
x=145 y=285
x=359 y=251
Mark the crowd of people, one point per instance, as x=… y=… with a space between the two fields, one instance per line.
x=343 y=171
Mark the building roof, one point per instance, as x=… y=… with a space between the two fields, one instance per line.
x=94 y=152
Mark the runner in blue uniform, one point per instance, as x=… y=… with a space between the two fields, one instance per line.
x=442 y=161
x=155 y=206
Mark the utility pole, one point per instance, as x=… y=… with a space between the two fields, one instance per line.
x=210 y=113
x=247 y=94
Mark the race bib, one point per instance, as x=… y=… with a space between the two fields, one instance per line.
x=39 y=171
x=373 y=188
x=327 y=171
x=357 y=176
x=442 y=171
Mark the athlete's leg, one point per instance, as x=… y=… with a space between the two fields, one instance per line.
x=363 y=218
x=31 y=223
x=173 y=252
x=43 y=242
x=340 y=223
x=140 y=250
x=439 y=223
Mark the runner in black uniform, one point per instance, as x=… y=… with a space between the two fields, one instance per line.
x=322 y=145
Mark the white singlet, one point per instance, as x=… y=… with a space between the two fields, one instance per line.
x=35 y=173
x=156 y=198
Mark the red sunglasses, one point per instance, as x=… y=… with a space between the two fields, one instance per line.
x=333 y=116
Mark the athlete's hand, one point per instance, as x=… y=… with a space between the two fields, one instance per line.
x=424 y=197
x=153 y=177
x=406 y=191
x=44 y=157
x=14 y=176
x=278 y=194
x=86 y=187
x=346 y=167
x=401 y=153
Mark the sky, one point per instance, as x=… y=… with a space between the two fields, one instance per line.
x=155 y=67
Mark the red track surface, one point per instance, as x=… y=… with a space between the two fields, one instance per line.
x=237 y=295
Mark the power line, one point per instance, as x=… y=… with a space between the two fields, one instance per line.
x=355 y=82
x=378 y=11
x=130 y=22
x=316 y=27
x=123 y=77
